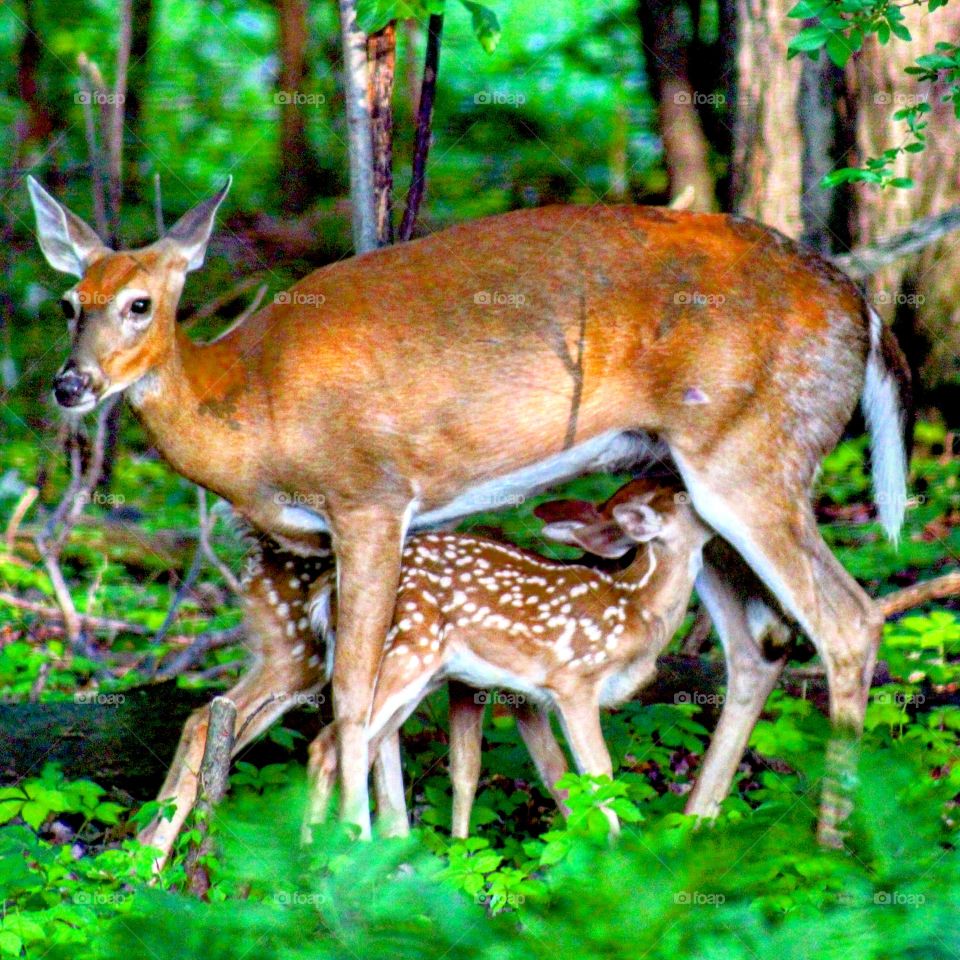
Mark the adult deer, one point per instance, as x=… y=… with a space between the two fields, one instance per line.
x=410 y=386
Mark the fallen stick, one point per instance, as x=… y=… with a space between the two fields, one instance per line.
x=214 y=774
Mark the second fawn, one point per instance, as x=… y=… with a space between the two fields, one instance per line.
x=566 y=636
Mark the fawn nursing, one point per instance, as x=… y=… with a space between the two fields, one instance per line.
x=568 y=637
x=370 y=405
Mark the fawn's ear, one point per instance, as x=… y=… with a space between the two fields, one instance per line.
x=573 y=511
x=639 y=521
x=603 y=538
x=69 y=244
x=190 y=235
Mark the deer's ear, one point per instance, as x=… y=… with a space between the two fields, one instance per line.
x=190 y=235
x=68 y=243
x=639 y=521
x=602 y=538
x=560 y=511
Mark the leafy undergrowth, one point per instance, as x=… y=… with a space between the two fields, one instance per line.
x=73 y=881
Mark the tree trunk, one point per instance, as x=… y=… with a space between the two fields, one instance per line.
x=382 y=56
x=359 y=137
x=36 y=125
x=919 y=294
x=297 y=167
x=667 y=32
x=768 y=145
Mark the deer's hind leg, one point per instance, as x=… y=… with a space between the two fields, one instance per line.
x=288 y=666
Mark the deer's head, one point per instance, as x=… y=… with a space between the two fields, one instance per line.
x=641 y=511
x=122 y=312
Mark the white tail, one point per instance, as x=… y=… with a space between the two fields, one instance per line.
x=884 y=409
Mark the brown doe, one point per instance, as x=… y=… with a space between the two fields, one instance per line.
x=420 y=383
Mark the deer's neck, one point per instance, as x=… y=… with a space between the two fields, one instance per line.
x=660 y=579
x=200 y=401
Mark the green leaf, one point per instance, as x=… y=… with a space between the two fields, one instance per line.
x=34 y=813
x=10 y=943
x=486 y=26
x=900 y=31
x=902 y=183
x=812 y=38
x=838 y=50
x=806 y=9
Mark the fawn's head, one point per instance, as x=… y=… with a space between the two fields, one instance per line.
x=641 y=511
x=122 y=312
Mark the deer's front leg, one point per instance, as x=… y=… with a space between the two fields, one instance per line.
x=368 y=544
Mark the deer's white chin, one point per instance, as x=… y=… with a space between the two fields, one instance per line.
x=88 y=402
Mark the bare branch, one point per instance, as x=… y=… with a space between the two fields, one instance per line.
x=864 y=261
x=428 y=92
x=214 y=774
x=939 y=588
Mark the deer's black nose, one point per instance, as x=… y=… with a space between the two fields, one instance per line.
x=70 y=386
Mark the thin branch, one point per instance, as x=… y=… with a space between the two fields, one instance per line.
x=115 y=128
x=85 y=621
x=207 y=521
x=202 y=644
x=94 y=93
x=214 y=306
x=940 y=588
x=864 y=261
x=158 y=206
x=428 y=92
x=19 y=512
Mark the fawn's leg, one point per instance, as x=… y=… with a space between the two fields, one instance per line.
x=466 y=739
x=750 y=674
x=392 y=817
x=288 y=662
x=533 y=722
x=580 y=716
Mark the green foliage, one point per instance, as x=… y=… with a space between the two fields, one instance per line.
x=840 y=27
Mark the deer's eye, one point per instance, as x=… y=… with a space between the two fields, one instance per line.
x=140 y=306
x=68 y=309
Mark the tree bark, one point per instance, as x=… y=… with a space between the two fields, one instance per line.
x=667 y=33
x=296 y=166
x=36 y=125
x=920 y=295
x=768 y=145
x=359 y=138
x=382 y=56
